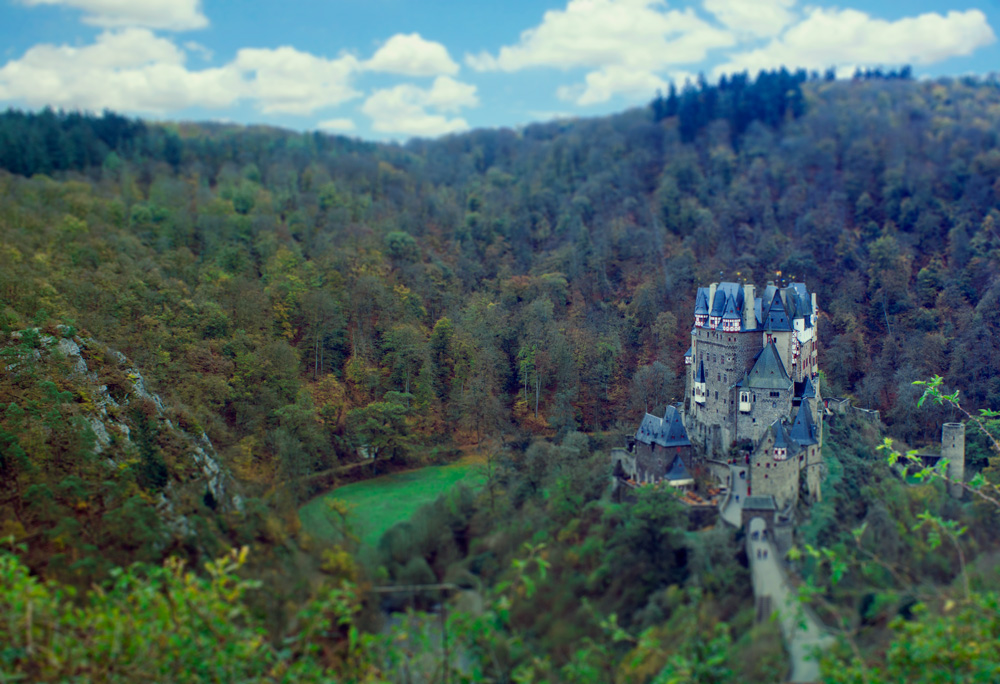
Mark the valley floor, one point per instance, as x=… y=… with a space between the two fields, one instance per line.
x=381 y=502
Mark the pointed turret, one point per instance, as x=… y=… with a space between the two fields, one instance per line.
x=700 y=390
x=808 y=389
x=776 y=319
x=803 y=431
x=731 y=319
x=701 y=307
x=784 y=446
x=677 y=475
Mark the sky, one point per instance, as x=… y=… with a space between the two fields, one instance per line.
x=396 y=69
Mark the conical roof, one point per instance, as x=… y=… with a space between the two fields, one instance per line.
x=699 y=376
x=677 y=472
x=776 y=319
x=808 y=389
x=803 y=431
x=782 y=440
x=723 y=293
x=701 y=302
x=731 y=312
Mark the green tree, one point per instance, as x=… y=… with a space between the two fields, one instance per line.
x=380 y=430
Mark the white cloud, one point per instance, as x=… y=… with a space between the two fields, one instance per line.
x=449 y=95
x=403 y=109
x=287 y=81
x=135 y=70
x=199 y=49
x=411 y=55
x=759 y=18
x=834 y=37
x=624 y=42
x=603 y=84
x=174 y=15
x=599 y=33
x=129 y=70
x=336 y=125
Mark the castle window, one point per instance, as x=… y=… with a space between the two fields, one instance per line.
x=765 y=476
x=775 y=394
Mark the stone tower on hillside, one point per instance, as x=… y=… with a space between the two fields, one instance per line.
x=753 y=385
x=953 y=449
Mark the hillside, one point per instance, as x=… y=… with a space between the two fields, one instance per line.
x=257 y=308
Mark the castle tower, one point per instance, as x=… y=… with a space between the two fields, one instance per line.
x=953 y=449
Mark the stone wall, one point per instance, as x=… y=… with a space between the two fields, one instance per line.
x=726 y=357
x=764 y=410
x=779 y=479
x=623 y=463
x=647 y=462
x=953 y=449
x=814 y=472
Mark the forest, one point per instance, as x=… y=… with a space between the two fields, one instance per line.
x=300 y=304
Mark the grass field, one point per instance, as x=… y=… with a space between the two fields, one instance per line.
x=380 y=503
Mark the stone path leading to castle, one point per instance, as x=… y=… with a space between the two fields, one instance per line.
x=802 y=632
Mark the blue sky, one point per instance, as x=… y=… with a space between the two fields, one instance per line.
x=393 y=69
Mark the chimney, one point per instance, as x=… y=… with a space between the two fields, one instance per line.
x=711 y=297
x=749 y=316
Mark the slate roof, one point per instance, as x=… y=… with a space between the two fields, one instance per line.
x=731 y=312
x=782 y=440
x=799 y=302
x=667 y=431
x=701 y=302
x=768 y=295
x=776 y=318
x=768 y=372
x=699 y=376
x=804 y=431
x=677 y=472
x=760 y=503
x=689 y=352
x=805 y=389
x=723 y=293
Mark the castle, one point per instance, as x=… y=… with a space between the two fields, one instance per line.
x=752 y=397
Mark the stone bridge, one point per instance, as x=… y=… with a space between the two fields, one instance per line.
x=803 y=633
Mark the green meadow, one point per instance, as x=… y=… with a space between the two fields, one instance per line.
x=380 y=503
